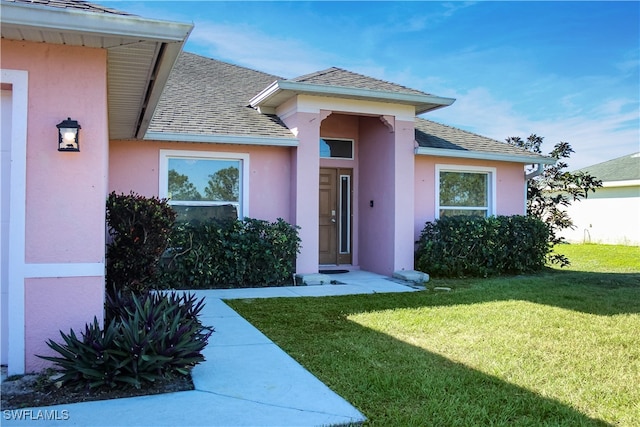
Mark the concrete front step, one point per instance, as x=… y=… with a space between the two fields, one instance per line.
x=313 y=279
x=412 y=276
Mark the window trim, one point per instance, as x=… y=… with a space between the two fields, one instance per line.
x=492 y=175
x=353 y=148
x=163 y=171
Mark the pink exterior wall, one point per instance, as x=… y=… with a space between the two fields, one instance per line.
x=404 y=161
x=510 y=187
x=377 y=185
x=65 y=192
x=305 y=181
x=59 y=304
x=133 y=166
x=386 y=161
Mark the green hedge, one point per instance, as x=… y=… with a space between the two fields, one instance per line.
x=460 y=246
x=230 y=254
x=139 y=228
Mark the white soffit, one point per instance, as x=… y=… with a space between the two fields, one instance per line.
x=140 y=53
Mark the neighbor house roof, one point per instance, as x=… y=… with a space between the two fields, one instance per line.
x=140 y=51
x=436 y=139
x=626 y=168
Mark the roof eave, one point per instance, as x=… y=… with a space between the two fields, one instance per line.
x=222 y=139
x=281 y=90
x=484 y=155
x=106 y=24
x=111 y=32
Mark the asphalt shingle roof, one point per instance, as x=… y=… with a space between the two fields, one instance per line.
x=208 y=97
x=343 y=78
x=72 y=4
x=624 y=168
x=430 y=134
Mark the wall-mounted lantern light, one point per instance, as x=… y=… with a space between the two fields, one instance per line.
x=68 y=135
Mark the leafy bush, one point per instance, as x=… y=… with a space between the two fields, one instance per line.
x=232 y=253
x=459 y=246
x=139 y=228
x=146 y=338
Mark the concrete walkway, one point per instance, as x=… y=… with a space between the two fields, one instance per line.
x=246 y=379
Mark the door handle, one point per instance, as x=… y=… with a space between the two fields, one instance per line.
x=333 y=216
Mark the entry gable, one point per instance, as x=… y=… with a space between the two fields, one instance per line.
x=343 y=84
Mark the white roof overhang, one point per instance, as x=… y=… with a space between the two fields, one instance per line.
x=485 y=155
x=140 y=54
x=282 y=90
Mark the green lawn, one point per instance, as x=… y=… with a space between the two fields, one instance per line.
x=558 y=348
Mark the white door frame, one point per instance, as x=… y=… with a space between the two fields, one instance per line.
x=19 y=81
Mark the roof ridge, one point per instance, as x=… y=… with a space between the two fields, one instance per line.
x=353 y=73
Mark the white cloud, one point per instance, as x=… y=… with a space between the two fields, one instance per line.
x=247 y=46
x=602 y=133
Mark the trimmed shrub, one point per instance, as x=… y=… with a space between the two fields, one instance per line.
x=231 y=253
x=139 y=229
x=146 y=338
x=460 y=246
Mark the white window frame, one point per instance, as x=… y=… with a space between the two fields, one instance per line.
x=491 y=182
x=163 y=169
x=353 y=153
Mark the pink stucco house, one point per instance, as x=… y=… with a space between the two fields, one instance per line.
x=342 y=155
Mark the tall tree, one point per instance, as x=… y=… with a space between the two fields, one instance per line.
x=554 y=189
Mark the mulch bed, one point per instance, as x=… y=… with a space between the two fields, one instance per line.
x=38 y=390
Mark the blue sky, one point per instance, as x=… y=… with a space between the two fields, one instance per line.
x=568 y=71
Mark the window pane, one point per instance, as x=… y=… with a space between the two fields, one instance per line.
x=463 y=212
x=197 y=214
x=336 y=148
x=463 y=189
x=204 y=180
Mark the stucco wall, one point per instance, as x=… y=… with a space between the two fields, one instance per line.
x=377 y=157
x=63 y=269
x=510 y=187
x=65 y=203
x=133 y=166
x=610 y=215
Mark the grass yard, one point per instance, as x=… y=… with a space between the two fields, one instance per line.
x=558 y=348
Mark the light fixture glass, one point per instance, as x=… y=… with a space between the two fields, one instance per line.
x=68 y=135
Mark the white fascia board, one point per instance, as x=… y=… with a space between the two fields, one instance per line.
x=347 y=92
x=222 y=139
x=106 y=24
x=483 y=155
x=626 y=183
x=272 y=89
x=410 y=98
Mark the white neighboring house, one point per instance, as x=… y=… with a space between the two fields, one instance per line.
x=611 y=214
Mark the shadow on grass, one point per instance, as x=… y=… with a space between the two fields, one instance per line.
x=419 y=387
x=604 y=294
x=393 y=382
